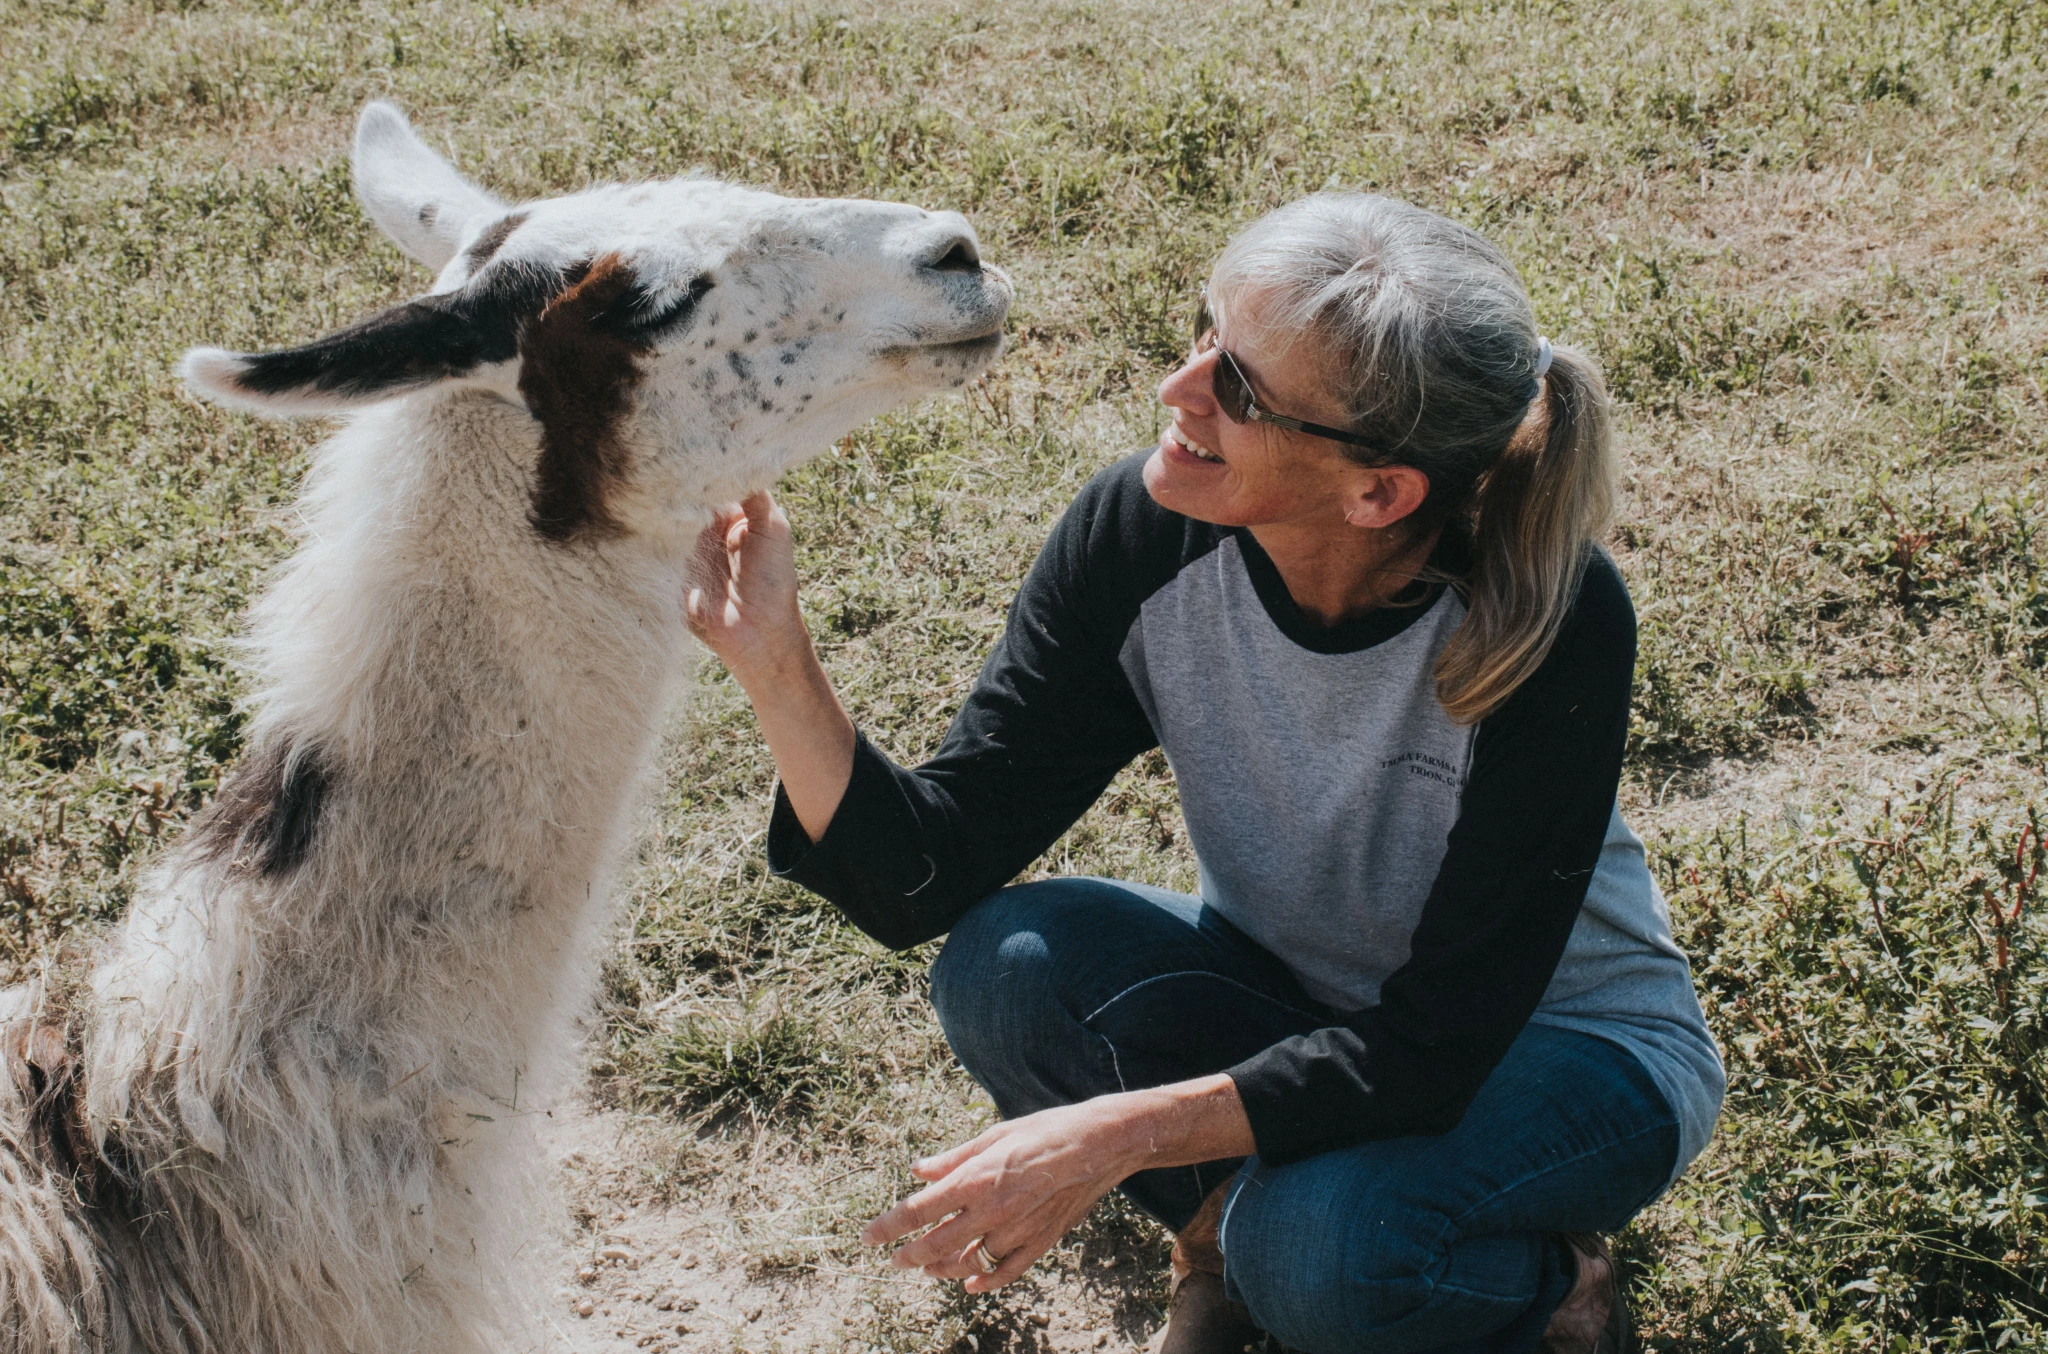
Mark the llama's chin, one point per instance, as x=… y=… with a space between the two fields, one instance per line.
x=984 y=346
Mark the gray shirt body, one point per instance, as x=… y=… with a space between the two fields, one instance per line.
x=1320 y=790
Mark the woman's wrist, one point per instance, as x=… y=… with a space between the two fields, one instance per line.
x=807 y=730
x=774 y=661
x=1178 y=1125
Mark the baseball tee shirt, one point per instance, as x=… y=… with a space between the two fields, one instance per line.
x=1436 y=886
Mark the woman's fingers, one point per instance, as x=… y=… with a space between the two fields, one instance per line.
x=712 y=557
x=1005 y=1242
x=1016 y=1189
x=1005 y=1223
x=757 y=519
x=939 y=1249
x=1012 y=1264
x=946 y=1162
x=762 y=511
x=696 y=613
x=1015 y=1245
x=710 y=569
x=914 y=1214
x=739 y=594
x=945 y=1196
x=763 y=554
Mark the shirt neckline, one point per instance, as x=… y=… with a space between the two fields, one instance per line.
x=1356 y=635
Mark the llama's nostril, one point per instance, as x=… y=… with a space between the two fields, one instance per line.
x=960 y=258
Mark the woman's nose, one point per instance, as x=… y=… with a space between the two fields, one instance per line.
x=1192 y=385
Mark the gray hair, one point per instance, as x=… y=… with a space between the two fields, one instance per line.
x=1428 y=342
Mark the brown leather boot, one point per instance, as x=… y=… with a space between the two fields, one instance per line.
x=1592 y=1319
x=1199 y=1318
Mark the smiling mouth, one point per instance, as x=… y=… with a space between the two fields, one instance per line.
x=1200 y=453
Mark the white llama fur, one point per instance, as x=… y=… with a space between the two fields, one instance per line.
x=301 y=1077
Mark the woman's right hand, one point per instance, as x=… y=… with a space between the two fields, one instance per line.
x=740 y=601
x=740 y=597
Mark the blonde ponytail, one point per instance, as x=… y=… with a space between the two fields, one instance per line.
x=1537 y=513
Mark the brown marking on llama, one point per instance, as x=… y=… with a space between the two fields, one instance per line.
x=41 y=1058
x=577 y=377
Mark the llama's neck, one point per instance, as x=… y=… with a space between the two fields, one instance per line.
x=476 y=706
x=451 y=666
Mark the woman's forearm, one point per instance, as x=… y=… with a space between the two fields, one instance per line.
x=740 y=600
x=1182 y=1124
x=808 y=732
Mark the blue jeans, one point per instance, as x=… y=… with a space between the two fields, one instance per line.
x=1057 y=991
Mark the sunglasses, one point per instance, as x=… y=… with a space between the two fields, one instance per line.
x=1234 y=392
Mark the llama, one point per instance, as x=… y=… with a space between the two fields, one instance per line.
x=289 y=1106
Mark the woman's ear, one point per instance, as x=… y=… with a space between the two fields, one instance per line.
x=1382 y=495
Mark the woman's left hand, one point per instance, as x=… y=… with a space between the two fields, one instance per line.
x=1016 y=1189
x=1025 y=1183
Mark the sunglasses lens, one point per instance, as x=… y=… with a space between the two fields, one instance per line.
x=1233 y=396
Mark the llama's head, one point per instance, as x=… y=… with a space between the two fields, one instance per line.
x=678 y=343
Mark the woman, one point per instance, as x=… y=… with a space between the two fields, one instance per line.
x=1424 y=1030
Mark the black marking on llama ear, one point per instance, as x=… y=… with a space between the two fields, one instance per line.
x=405 y=347
x=267 y=816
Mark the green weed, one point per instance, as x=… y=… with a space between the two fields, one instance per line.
x=1881 y=1175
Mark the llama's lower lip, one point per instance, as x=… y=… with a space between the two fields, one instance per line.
x=986 y=343
x=982 y=345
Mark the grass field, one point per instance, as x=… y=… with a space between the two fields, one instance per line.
x=1806 y=238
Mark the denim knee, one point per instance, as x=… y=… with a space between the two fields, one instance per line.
x=1001 y=997
x=1338 y=1270
x=992 y=981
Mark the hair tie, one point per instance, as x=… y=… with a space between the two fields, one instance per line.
x=1542 y=357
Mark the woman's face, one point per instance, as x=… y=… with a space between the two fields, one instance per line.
x=1251 y=474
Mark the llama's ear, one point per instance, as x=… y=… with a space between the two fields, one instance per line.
x=406 y=347
x=414 y=195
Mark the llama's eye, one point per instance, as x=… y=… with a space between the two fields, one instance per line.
x=651 y=318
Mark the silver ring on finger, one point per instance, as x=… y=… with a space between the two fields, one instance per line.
x=983 y=1260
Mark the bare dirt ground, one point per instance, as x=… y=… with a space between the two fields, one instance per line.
x=1846 y=780
x=632 y=1267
